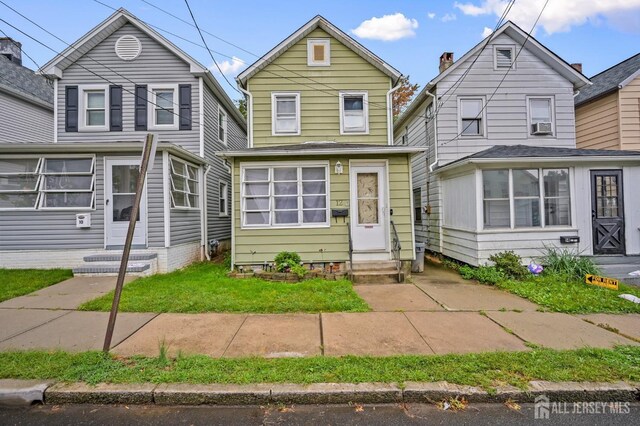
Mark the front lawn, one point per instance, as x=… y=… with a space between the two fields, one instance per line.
x=205 y=287
x=486 y=369
x=18 y=282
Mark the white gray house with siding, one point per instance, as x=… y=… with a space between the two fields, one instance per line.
x=501 y=170
x=66 y=201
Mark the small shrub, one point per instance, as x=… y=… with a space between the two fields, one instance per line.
x=286 y=259
x=567 y=263
x=451 y=264
x=510 y=264
x=484 y=274
x=227 y=259
x=299 y=270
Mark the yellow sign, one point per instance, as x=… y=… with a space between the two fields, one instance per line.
x=610 y=283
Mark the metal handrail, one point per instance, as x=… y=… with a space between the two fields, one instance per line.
x=396 y=247
x=350 y=252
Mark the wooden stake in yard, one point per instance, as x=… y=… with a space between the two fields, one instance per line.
x=148 y=150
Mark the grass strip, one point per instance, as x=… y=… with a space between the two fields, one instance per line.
x=485 y=369
x=205 y=287
x=18 y=282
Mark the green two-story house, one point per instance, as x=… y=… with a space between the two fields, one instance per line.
x=321 y=175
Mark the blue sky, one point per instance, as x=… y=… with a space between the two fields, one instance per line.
x=597 y=33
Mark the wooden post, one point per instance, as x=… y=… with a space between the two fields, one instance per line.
x=144 y=164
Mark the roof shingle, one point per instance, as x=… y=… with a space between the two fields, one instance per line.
x=24 y=82
x=609 y=80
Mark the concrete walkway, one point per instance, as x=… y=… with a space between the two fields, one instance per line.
x=440 y=313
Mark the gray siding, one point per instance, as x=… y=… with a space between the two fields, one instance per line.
x=24 y=122
x=185 y=226
x=155 y=64
x=155 y=204
x=506 y=113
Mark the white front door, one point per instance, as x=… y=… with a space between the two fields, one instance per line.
x=369 y=220
x=121 y=176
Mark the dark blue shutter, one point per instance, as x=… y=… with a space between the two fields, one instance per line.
x=141 y=107
x=71 y=109
x=184 y=96
x=115 y=108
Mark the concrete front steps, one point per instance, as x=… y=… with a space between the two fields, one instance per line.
x=108 y=264
x=376 y=272
x=619 y=267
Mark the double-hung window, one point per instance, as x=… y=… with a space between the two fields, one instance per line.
x=47 y=183
x=94 y=114
x=163 y=108
x=223 y=203
x=417 y=204
x=285 y=109
x=222 y=126
x=286 y=195
x=518 y=198
x=184 y=185
x=354 y=112
x=541 y=115
x=471 y=112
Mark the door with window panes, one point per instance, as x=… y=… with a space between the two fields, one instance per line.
x=121 y=177
x=607 y=212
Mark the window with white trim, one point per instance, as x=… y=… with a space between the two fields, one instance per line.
x=318 y=52
x=517 y=198
x=471 y=115
x=223 y=197
x=285 y=195
x=285 y=109
x=504 y=57
x=541 y=111
x=354 y=112
x=163 y=108
x=417 y=204
x=184 y=185
x=222 y=126
x=93 y=108
x=47 y=183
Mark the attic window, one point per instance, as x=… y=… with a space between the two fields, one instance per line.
x=318 y=52
x=128 y=47
x=504 y=57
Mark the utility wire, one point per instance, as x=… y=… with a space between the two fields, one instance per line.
x=19 y=47
x=503 y=77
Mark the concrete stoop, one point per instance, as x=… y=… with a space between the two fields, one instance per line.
x=619 y=267
x=376 y=272
x=108 y=264
x=24 y=392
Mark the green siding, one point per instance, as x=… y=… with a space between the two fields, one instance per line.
x=335 y=240
x=319 y=94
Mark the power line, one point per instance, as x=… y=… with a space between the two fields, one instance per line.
x=19 y=47
x=503 y=77
x=207 y=47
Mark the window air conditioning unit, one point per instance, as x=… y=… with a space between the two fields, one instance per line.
x=541 y=129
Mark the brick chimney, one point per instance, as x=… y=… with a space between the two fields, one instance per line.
x=577 y=66
x=11 y=49
x=446 y=60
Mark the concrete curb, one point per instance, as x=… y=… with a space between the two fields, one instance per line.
x=26 y=392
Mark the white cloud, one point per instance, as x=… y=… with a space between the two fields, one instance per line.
x=486 y=32
x=559 y=16
x=431 y=15
x=448 y=17
x=229 y=67
x=388 y=28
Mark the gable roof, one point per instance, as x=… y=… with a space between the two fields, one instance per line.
x=558 y=64
x=117 y=20
x=22 y=82
x=322 y=23
x=610 y=80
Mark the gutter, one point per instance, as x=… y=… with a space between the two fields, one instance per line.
x=435 y=133
x=203 y=214
x=249 y=116
x=390 y=112
x=383 y=149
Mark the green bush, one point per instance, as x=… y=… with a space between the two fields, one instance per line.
x=563 y=262
x=484 y=274
x=510 y=264
x=286 y=259
x=299 y=270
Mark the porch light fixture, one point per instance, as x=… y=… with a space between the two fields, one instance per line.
x=338 y=168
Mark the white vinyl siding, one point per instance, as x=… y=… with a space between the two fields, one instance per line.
x=47 y=183
x=285 y=195
x=184 y=185
x=285 y=117
x=354 y=113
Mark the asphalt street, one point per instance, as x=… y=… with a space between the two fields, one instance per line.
x=390 y=414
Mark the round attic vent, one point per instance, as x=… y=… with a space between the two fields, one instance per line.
x=128 y=47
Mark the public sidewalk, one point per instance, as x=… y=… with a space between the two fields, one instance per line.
x=439 y=313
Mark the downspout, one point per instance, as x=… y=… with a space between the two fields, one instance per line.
x=435 y=132
x=390 y=112
x=249 y=115
x=576 y=94
x=203 y=213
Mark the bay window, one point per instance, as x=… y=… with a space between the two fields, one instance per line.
x=285 y=195
x=517 y=198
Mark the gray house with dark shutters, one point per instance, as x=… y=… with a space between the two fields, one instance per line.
x=66 y=201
